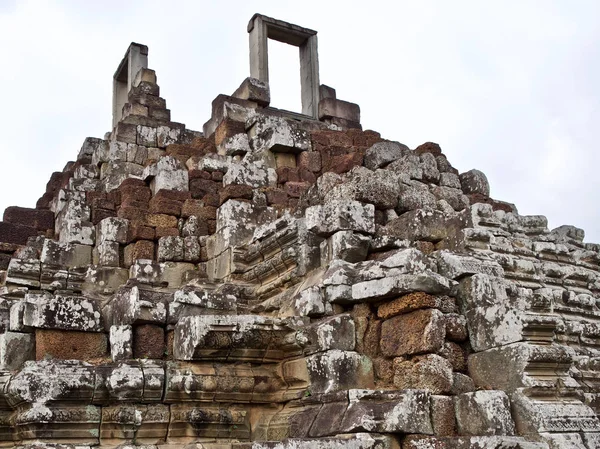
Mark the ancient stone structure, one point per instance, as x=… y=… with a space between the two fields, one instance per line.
x=287 y=281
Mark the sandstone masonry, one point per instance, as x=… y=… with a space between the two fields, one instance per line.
x=287 y=281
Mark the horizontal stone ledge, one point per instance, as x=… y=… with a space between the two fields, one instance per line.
x=235 y=337
x=376 y=289
x=480 y=442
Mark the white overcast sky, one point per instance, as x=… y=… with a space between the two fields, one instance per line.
x=509 y=87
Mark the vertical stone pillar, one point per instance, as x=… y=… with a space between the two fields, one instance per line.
x=135 y=59
x=309 y=77
x=259 y=52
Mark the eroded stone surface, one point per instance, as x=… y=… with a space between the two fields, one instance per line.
x=288 y=281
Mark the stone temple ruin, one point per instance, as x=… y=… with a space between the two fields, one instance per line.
x=287 y=281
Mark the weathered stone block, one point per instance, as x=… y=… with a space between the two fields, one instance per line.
x=148 y=342
x=112 y=229
x=414 y=301
x=492 y=318
x=388 y=412
x=382 y=153
x=340 y=215
x=428 y=282
x=484 y=413
x=69 y=345
x=337 y=332
x=428 y=372
x=170 y=248
x=332 y=107
x=337 y=370
x=36 y=218
x=456 y=266
x=15 y=349
x=167 y=173
x=442 y=415
x=278 y=134
x=121 y=342
x=417 y=332
x=107 y=254
x=16 y=233
x=254 y=90
x=234 y=337
x=475 y=181
x=142 y=249
x=24 y=272
x=349 y=246
x=136 y=305
x=425 y=224
x=65 y=312
x=65 y=254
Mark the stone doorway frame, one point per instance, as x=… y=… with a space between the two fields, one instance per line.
x=261 y=28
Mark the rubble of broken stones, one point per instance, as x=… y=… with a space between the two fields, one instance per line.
x=284 y=283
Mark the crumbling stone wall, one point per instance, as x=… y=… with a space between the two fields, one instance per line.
x=279 y=281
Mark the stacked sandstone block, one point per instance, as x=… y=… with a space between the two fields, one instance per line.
x=284 y=282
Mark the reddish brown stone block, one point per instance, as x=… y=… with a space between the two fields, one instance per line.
x=135 y=188
x=360 y=140
x=235 y=191
x=407 y=303
x=496 y=205
x=276 y=196
x=56 y=180
x=4 y=261
x=139 y=231
x=9 y=247
x=425 y=247
x=228 y=128
x=211 y=199
x=217 y=176
x=307 y=176
x=163 y=206
x=172 y=195
x=114 y=196
x=200 y=187
x=320 y=137
x=166 y=232
x=100 y=214
x=101 y=203
x=287 y=174
x=35 y=218
x=371 y=134
x=197 y=208
x=16 y=233
x=418 y=332
x=199 y=174
x=339 y=138
x=142 y=249
x=66 y=345
x=429 y=147
x=182 y=152
x=149 y=342
x=130 y=201
x=161 y=221
x=345 y=163
x=44 y=201
x=132 y=213
x=309 y=160
x=170 y=340
x=212 y=226
x=296 y=189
